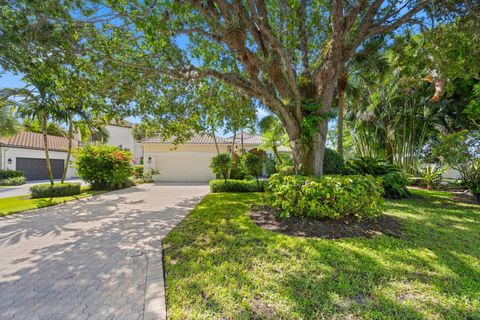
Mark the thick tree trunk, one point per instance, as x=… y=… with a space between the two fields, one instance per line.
x=69 y=151
x=47 y=156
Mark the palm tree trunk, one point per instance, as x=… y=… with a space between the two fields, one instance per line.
x=342 y=87
x=232 y=152
x=241 y=137
x=69 y=152
x=45 y=142
x=275 y=153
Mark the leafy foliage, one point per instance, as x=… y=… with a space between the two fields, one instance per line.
x=374 y=166
x=333 y=162
x=395 y=185
x=104 y=167
x=252 y=164
x=431 y=175
x=7 y=174
x=231 y=185
x=220 y=165
x=334 y=197
x=14 y=181
x=46 y=190
x=472 y=179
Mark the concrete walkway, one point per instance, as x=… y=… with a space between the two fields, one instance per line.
x=96 y=258
x=13 y=191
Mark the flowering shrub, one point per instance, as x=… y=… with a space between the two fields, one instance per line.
x=104 y=167
x=333 y=197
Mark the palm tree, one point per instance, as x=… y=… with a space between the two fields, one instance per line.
x=273 y=135
x=8 y=124
x=35 y=101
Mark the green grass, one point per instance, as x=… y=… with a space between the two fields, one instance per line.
x=22 y=203
x=220 y=265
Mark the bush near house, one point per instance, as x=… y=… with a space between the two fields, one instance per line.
x=231 y=185
x=46 y=190
x=104 y=167
x=14 y=181
x=7 y=174
x=138 y=171
x=333 y=197
x=220 y=165
x=252 y=165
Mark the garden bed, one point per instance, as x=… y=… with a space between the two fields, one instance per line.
x=267 y=218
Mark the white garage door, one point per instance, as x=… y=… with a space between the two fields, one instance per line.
x=183 y=166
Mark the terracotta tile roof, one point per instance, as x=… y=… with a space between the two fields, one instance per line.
x=196 y=139
x=33 y=140
x=247 y=138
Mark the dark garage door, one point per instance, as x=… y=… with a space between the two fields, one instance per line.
x=36 y=169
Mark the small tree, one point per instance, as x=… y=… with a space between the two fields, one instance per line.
x=104 y=167
x=253 y=164
x=472 y=178
x=220 y=165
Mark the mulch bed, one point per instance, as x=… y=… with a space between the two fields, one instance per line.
x=267 y=218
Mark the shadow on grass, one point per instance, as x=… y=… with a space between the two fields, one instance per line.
x=220 y=264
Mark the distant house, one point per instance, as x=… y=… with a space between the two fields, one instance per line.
x=190 y=161
x=121 y=136
x=25 y=151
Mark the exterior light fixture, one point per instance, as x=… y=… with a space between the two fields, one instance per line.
x=9 y=161
x=149 y=159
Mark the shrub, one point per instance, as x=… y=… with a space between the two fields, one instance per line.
x=333 y=197
x=148 y=174
x=472 y=179
x=46 y=190
x=237 y=185
x=138 y=171
x=370 y=165
x=395 y=185
x=7 y=174
x=220 y=165
x=430 y=175
x=104 y=167
x=14 y=181
x=333 y=162
x=252 y=164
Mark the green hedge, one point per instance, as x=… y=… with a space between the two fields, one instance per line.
x=46 y=190
x=237 y=185
x=14 y=181
x=333 y=197
x=7 y=174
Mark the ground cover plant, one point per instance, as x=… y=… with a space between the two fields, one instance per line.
x=14 y=181
x=221 y=265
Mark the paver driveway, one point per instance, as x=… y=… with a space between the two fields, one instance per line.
x=96 y=258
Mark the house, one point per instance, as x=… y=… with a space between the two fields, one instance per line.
x=121 y=136
x=191 y=161
x=25 y=151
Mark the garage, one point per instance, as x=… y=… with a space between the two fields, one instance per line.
x=36 y=169
x=183 y=166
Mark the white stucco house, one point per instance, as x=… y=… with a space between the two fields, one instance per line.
x=191 y=161
x=25 y=151
x=121 y=136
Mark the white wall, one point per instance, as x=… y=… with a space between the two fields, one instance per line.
x=13 y=153
x=122 y=136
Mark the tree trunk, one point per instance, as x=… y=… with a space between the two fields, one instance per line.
x=277 y=155
x=232 y=152
x=215 y=140
x=69 y=151
x=45 y=141
x=342 y=87
x=241 y=137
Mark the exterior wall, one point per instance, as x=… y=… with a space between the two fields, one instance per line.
x=186 y=156
x=122 y=136
x=13 y=153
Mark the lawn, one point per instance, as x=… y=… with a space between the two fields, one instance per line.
x=220 y=265
x=22 y=203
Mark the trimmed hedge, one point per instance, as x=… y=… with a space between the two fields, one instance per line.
x=333 y=197
x=7 y=174
x=333 y=162
x=14 y=181
x=46 y=190
x=231 y=185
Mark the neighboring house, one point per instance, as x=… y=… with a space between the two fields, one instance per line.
x=25 y=151
x=191 y=161
x=120 y=135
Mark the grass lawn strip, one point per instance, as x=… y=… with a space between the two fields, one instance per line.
x=22 y=203
x=219 y=264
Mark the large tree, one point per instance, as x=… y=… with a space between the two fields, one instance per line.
x=287 y=54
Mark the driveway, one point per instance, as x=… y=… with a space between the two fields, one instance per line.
x=13 y=191
x=95 y=258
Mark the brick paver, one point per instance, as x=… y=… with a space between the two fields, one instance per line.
x=96 y=258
